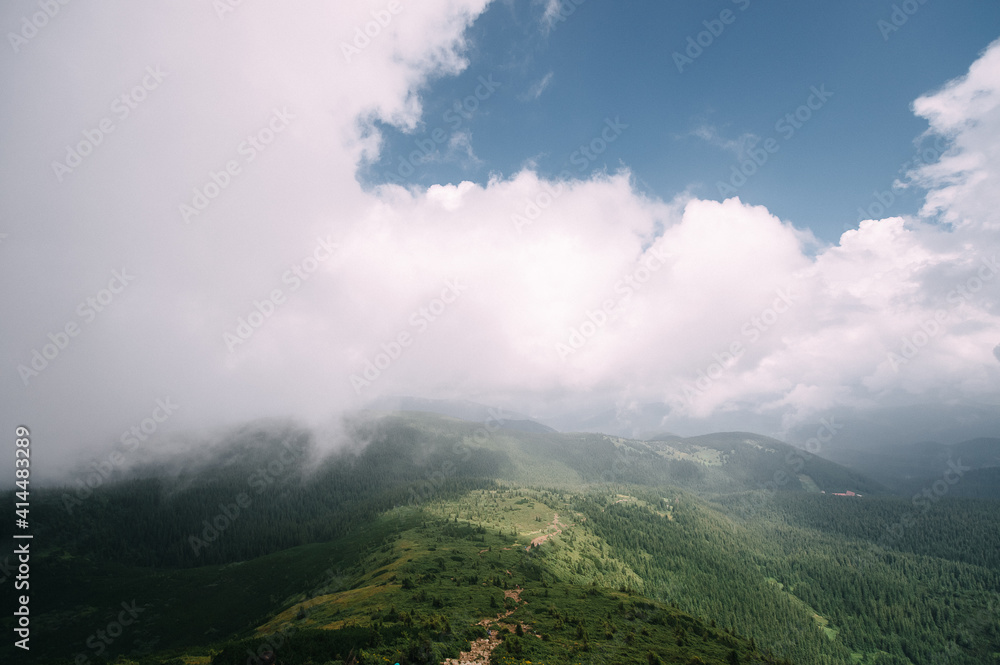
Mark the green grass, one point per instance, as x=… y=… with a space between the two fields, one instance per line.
x=411 y=583
x=432 y=586
x=182 y=606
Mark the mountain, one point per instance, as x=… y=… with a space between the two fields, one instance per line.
x=715 y=462
x=908 y=469
x=488 y=417
x=423 y=531
x=890 y=428
x=633 y=422
x=644 y=420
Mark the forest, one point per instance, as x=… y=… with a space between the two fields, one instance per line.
x=409 y=544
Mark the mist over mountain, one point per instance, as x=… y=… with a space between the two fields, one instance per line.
x=267 y=538
x=481 y=332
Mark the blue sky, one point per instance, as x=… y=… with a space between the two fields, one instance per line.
x=685 y=127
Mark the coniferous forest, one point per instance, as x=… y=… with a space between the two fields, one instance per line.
x=422 y=540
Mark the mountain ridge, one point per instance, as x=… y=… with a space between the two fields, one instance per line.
x=731 y=528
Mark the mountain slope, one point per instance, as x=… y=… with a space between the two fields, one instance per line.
x=702 y=526
x=909 y=468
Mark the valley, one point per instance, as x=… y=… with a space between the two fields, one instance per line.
x=424 y=543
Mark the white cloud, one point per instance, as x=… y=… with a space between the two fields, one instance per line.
x=514 y=295
x=551 y=14
x=967 y=111
x=536 y=90
x=460 y=148
x=738 y=146
x=558 y=11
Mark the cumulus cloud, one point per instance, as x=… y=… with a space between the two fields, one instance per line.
x=967 y=111
x=330 y=72
x=294 y=291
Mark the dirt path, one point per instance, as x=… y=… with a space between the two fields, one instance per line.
x=541 y=539
x=480 y=650
x=478 y=654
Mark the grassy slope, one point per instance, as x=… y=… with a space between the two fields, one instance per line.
x=468 y=561
x=182 y=606
x=207 y=604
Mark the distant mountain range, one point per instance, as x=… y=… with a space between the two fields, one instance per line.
x=420 y=532
x=875 y=458
x=969 y=468
x=488 y=417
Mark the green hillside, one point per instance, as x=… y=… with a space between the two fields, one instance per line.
x=407 y=544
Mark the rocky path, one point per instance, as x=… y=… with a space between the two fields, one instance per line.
x=541 y=539
x=480 y=651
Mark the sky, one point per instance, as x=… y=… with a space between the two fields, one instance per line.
x=214 y=211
